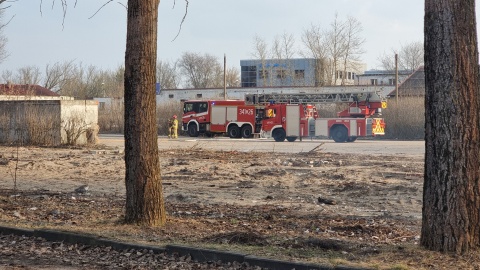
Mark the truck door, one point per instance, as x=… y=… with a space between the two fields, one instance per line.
x=219 y=115
x=292 y=125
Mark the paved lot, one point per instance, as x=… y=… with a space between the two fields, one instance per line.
x=370 y=147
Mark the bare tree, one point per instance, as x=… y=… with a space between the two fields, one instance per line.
x=335 y=48
x=7 y=76
x=201 y=71
x=28 y=75
x=314 y=40
x=167 y=75
x=352 y=46
x=410 y=57
x=57 y=74
x=283 y=46
x=260 y=51
x=451 y=192
x=387 y=60
x=233 y=77
x=74 y=85
x=3 y=38
x=115 y=87
x=144 y=200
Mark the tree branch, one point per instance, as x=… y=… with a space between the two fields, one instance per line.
x=183 y=19
x=98 y=10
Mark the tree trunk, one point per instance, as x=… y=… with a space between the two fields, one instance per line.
x=144 y=203
x=451 y=196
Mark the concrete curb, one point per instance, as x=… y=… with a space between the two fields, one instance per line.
x=197 y=254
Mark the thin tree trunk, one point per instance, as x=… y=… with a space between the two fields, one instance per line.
x=451 y=196
x=144 y=203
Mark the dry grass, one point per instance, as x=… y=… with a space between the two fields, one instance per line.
x=219 y=212
x=187 y=224
x=165 y=112
x=111 y=118
x=405 y=120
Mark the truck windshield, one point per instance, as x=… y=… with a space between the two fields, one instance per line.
x=196 y=107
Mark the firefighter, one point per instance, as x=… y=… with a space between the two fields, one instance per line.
x=173 y=127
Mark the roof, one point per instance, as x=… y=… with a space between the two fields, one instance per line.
x=383 y=73
x=414 y=85
x=25 y=90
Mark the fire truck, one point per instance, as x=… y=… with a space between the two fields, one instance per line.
x=286 y=116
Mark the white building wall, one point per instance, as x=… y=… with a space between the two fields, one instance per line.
x=168 y=95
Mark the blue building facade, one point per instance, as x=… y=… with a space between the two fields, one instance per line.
x=278 y=72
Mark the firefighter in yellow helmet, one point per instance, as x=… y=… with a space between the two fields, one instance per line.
x=173 y=127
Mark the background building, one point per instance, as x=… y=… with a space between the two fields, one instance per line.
x=293 y=72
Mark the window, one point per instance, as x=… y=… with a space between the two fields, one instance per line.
x=202 y=107
x=281 y=74
x=349 y=75
x=101 y=106
x=299 y=74
x=263 y=74
x=339 y=74
x=196 y=107
x=249 y=76
x=199 y=95
x=170 y=96
x=373 y=81
x=391 y=81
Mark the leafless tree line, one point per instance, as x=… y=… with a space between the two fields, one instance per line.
x=337 y=49
x=70 y=79
x=75 y=79
x=194 y=70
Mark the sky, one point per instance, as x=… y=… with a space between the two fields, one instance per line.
x=38 y=35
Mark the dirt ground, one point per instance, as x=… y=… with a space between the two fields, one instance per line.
x=325 y=208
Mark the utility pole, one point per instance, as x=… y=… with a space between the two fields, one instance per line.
x=396 y=78
x=225 y=76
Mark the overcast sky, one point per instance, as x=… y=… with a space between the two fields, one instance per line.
x=217 y=27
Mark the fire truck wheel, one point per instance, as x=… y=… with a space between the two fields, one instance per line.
x=279 y=135
x=351 y=139
x=291 y=138
x=246 y=131
x=192 y=131
x=234 y=132
x=339 y=134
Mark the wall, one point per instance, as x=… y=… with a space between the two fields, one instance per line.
x=79 y=121
x=44 y=122
x=12 y=97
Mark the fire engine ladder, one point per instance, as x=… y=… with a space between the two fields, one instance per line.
x=314 y=98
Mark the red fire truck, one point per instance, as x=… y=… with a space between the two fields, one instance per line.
x=286 y=116
x=220 y=116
